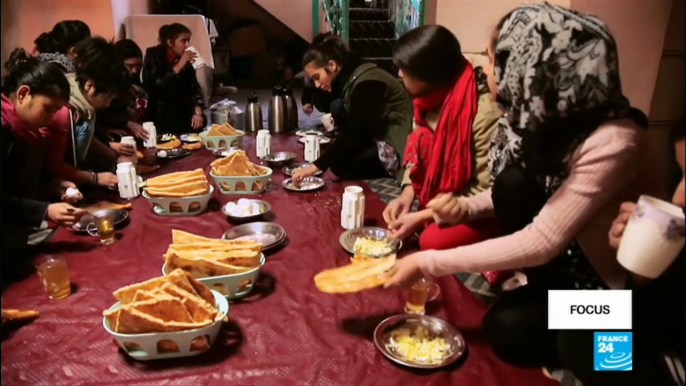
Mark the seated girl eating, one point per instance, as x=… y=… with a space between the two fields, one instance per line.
x=448 y=150
x=377 y=115
x=99 y=77
x=32 y=92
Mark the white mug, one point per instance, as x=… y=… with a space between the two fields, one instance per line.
x=653 y=237
x=263 y=143
x=198 y=62
x=312 y=149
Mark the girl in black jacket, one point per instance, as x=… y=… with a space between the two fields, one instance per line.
x=175 y=98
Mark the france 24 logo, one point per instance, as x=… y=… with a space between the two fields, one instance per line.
x=613 y=351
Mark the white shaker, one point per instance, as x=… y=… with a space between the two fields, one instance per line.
x=128 y=180
x=352 y=210
x=311 y=147
x=152 y=135
x=131 y=141
x=263 y=143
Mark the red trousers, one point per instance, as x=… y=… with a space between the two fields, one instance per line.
x=435 y=237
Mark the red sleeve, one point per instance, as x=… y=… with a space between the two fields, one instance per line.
x=56 y=136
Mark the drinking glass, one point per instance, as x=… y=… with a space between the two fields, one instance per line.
x=103 y=226
x=54 y=274
x=417 y=297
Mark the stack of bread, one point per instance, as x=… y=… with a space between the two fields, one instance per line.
x=237 y=164
x=205 y=257
x=176 y=302
x=179 y=184
x=223 y=130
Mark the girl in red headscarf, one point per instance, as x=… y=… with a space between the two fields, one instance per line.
x=447 y=152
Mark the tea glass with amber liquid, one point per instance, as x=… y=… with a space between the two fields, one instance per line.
x=103 y=226
x=422 y=291
x=54 y=274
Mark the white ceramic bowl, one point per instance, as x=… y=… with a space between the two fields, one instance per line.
x=146 y=345
x=162 y=205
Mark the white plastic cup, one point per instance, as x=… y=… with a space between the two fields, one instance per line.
x=653 y=237
x=151 y=142
x=263 y=143
x=352 y=208
x=197 y=62
x=127 y=180
x=131 y=141
x=312 y=147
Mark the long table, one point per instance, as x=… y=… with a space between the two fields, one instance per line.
x=285 y=332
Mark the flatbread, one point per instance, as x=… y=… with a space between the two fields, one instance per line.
x=355 y=277
x=126 y=294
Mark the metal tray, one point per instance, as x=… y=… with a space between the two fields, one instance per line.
x=174 y=153
x=349 y=237
x=119 y=216
x=307 y=185
x=289 y=170
x=382 y=335
x=274 y=232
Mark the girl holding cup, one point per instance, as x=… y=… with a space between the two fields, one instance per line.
x=175 y=97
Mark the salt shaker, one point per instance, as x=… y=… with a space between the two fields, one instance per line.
x=131 y=141
x=152 y=135
x=263 y=143
x=128 y=180
x=352 y=210
x=311 y=147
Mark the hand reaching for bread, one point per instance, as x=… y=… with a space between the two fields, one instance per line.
x=447 y=209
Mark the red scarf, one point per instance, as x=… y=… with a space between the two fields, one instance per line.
x=19 y=129
x=443 y=159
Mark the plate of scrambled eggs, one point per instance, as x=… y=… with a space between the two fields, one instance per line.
x=369 y=242
x=419 y=341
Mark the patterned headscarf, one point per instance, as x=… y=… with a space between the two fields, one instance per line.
x=551 y=62
x=60 y=59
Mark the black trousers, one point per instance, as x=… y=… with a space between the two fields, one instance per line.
x=516 y=326
x=361 y=165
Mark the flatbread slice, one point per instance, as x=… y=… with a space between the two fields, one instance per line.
x=181 y=237
x=165 y=307
x=200 y=309
x=240 y=258
x=201 y=268
x=126 y=294
x=355 y=277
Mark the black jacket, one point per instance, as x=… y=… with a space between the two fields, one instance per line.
x=20 y=169
x=170 y=94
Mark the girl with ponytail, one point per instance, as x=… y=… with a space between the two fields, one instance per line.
x=57 y=45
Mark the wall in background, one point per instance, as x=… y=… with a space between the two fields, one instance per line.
x=296 y=14
x=24 y=20
x=226 y=13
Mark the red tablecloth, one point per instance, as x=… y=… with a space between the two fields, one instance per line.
x=286 y=332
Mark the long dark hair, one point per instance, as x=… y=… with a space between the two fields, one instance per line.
x=99 y=62
x=171 y=32
x=430 y=53
x=43 y=78
x=327 y=48
x=63 y=36
x=127 y=49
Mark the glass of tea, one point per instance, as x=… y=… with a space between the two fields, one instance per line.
x=103 y=227
x=54 y=274
x=417 y=297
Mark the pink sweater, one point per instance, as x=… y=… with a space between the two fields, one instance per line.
x=615 y=164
